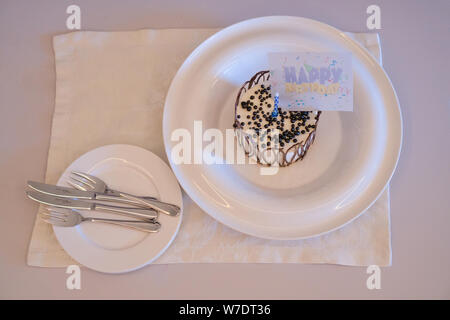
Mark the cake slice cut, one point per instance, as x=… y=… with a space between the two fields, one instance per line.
x=280 y=138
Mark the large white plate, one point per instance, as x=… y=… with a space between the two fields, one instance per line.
x=347 y=167
x=114 y=249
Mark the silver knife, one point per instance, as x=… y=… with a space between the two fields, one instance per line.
x=69 y=203
x=66 y=192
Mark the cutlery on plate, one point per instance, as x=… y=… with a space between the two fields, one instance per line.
x=69 y=203
x=70 y=218
x=66 y=192
x=86 y=182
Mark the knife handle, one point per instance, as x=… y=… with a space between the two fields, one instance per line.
x=166 y=208
x=145 y=226
x=147 y=202
x=113 y=197
x=117 y=194
x=130 y=212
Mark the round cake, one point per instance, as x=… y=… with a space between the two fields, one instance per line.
x=271 y=138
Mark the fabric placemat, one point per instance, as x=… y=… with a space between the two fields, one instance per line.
x=110 y=88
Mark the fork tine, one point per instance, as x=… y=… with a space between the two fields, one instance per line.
x=56 y=209
x=83 y=181
x=54 y=220
x=55 y=212
x=54 y=215
x=83 y=175
x=49 y=215
x=76 y=185
x=57 y=219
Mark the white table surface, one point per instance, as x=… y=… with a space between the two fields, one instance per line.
x=415 y=46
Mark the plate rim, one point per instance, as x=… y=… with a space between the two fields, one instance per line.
x=397 y=129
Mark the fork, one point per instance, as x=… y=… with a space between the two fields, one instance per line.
x=87 y=182
x=71 y=218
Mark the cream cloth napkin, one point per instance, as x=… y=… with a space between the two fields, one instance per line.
x=110 y=88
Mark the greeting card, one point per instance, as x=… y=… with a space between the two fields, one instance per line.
x=307 y=81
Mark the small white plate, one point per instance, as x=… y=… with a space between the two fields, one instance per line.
x=113 y=249
x=348 y=166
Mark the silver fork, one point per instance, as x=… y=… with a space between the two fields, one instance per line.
x=86 y=182
x=70 y=218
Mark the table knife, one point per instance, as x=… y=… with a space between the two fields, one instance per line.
x=69 y=203
x=67 y=192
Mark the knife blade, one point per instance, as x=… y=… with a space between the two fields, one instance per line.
x=60 y=202
x=59 y=191
x=69 y=203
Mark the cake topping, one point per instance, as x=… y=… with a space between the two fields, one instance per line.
x=257 y=104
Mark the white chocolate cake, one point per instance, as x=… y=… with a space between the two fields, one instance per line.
x=259 y=129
